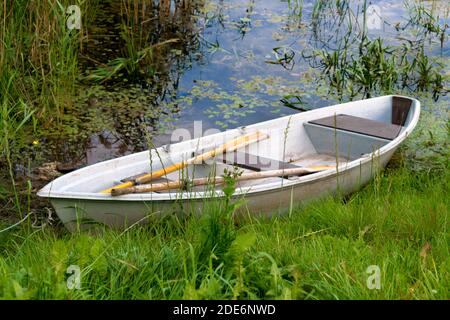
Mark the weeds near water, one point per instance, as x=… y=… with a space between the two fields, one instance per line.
x=38 y=47
x=130 y=64
x=363 y=66
x=38 y=74
x=378 y=68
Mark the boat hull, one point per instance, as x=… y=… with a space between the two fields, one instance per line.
x=82 y=213
x=355 y=149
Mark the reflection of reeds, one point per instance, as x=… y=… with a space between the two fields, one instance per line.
x=151 y=31
x=331 y=21
x=295 y=9
x=427 y=20
x=360 y=65
x=156 y=39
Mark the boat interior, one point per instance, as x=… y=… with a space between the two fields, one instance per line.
x=332 y=140
x=326 y=136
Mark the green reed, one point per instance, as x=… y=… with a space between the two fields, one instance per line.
x=359 y=65
x=38 y=71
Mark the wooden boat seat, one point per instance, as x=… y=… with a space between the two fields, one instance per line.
x=360 y=125
x=254 y=162
x=400 y=110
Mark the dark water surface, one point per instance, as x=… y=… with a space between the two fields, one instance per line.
x=238 y=62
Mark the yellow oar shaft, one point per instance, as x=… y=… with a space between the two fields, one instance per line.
x=230 y=146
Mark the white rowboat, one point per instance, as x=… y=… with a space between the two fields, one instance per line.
x=354 y=139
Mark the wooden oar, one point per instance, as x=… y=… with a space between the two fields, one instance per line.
x=218 y=180
x=230 y=146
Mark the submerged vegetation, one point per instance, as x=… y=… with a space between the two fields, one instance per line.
x=137 y=68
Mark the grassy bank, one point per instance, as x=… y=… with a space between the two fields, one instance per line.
x=399 y=223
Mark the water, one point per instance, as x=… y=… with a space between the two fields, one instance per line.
x=236 y=64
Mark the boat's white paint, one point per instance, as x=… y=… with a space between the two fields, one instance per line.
x=75 y=195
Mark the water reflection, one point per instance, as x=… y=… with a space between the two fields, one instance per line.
x=137 y=53
x=227 y=63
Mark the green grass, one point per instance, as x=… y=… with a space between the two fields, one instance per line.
x=400 y=222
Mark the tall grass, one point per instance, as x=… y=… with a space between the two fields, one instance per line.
x=37 y=46
x=399 y=223
x=13 y=116
x=38 y=70
x=38 y=66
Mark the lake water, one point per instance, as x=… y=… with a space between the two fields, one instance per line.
x=238 y=62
